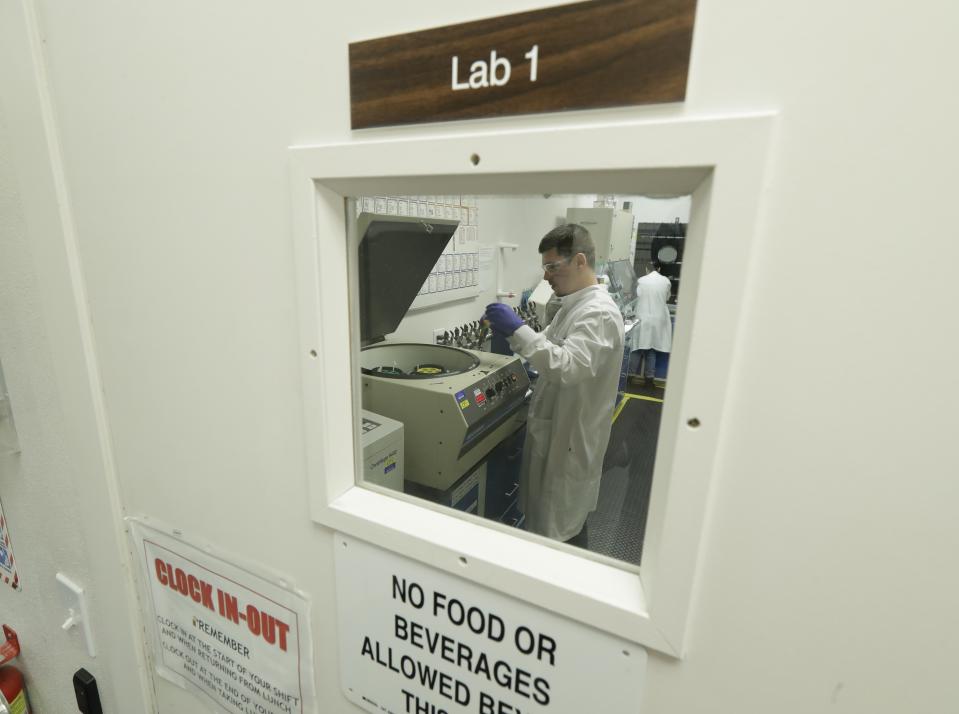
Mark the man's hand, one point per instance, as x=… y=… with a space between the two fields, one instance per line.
x=502 y=318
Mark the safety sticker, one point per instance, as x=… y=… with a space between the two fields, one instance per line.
x=8 y=565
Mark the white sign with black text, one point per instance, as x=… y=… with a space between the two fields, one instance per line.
x=415 y=640
x=237 y=639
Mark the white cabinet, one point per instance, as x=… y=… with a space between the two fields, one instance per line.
x=611 y=229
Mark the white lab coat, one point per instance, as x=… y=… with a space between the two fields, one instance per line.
x=578 y=357
x=653 y=329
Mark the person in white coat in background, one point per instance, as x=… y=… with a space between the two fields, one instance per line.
x=578 y=357
x=653 y=331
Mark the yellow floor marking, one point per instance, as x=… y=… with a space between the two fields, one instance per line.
x=622 y=403
x=643 y=397
x=626 y=397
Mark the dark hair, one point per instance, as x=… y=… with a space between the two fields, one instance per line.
x=568 y=240
x=655 y=264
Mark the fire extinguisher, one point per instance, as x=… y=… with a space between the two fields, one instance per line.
x=13 y=693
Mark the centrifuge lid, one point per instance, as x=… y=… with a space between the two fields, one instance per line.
x=396 y=255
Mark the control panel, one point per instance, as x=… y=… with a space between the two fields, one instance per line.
x=498 y=389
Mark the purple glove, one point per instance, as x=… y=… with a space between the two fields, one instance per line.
x=502 y=318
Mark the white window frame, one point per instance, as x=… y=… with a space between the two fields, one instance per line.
x=720 y=161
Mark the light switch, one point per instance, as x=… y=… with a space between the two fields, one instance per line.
x=77 y=615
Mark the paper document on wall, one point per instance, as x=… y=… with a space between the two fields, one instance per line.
x=231 y=637
x=417 y=639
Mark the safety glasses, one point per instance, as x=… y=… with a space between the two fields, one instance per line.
x=555 y=265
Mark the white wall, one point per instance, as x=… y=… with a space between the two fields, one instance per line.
x=31 y=488
x=521 y=221
x=827 y=577
x=662 y=210
x=52 y=498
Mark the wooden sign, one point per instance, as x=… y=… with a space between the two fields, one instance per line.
x=587 y=55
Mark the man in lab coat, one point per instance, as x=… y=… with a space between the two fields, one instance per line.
x=653 y=331
x=578 y=357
